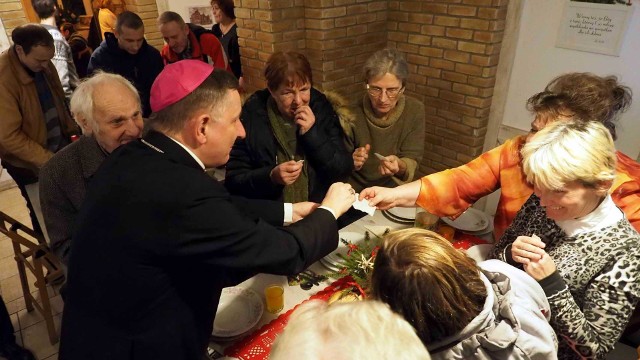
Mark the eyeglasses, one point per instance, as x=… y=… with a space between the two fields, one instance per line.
x=392 y=93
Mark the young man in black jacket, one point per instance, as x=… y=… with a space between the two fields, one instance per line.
x=128 y=54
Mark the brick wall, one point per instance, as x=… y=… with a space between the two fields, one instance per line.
x=265 y=27
x=335 y=35
x=12 y=15
x=452 y=47
x=148 y=11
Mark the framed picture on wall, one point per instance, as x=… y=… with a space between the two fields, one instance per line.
x=597 y=28
x=201 y=15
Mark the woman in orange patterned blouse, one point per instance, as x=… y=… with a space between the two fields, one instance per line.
x=451 y=192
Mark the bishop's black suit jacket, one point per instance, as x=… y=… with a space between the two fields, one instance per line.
x=157 y=240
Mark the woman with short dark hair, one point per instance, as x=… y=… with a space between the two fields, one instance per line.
x=294 y=148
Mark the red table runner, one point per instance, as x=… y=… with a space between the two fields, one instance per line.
x=258 y=345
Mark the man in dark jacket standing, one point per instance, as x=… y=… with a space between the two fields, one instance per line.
x=127 y=53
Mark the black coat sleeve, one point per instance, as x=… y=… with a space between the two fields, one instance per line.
x=324 y=143
x=248 y=168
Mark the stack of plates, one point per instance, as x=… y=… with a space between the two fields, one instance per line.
x=472 y=221
x=401 y=215
x=333 y=261
x=239 y=310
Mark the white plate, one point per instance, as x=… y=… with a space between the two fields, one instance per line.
x=479 y=252
x=238 y=311
x=396 y=219
x=403 y=213
x=353 y=237
x=470 y=220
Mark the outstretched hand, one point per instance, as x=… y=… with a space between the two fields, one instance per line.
x=380 y=197
x=339 y=198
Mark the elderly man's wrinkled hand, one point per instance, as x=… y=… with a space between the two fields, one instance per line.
x=339 y=198
x=305 y=119
x=389 y=166
x=527 y=248
x=540 y=269
x=360 y=156
x=286 y=173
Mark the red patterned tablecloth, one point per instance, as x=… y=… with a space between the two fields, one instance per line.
x=258 y=345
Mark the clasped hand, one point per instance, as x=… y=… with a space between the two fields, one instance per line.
x=529 y=251
x=304 y=118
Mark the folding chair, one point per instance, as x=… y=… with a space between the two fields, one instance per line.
x=38 y=258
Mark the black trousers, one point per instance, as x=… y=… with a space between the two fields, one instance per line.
x=24 y=177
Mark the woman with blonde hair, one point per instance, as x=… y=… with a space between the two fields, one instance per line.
x=106 y=17
x=572 y=238
x=462 y=310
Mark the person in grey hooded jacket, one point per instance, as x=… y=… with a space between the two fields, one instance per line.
x=460 y=309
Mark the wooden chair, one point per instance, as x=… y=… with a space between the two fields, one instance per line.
x=38 y=258
x=33 y=192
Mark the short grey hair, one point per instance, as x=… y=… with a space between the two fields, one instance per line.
x=374 y=332
x=386 y=61
x=82 y=101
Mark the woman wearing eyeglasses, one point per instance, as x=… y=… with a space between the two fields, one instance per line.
x=294 y=146
x=388 y=132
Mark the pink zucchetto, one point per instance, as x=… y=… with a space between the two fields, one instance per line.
x=176 y=81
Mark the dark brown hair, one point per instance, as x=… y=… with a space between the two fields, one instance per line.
x=44 y=8
x=66 y=26
x=209 y=95
x=422 y=277
x=130 y=20
x=289 y=66
x=587 y=96
x=30 y=35
x=226 y=6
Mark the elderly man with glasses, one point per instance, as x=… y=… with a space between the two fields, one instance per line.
x=388 y=125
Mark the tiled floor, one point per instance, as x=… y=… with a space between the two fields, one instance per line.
x=31 y=330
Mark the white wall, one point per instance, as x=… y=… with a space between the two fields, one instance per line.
x=537 y=61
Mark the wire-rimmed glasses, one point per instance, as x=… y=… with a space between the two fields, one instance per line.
x=392 y=93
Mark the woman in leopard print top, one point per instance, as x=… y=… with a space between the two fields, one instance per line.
x=573 y=240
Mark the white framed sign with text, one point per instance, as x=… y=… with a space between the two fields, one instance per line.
x=597 y=28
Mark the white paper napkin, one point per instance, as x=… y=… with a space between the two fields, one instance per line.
x=363 y=205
